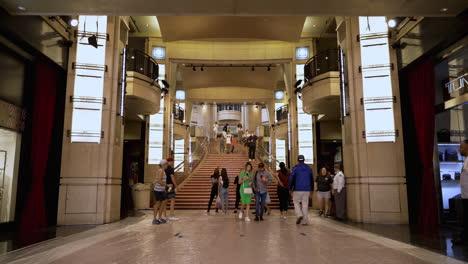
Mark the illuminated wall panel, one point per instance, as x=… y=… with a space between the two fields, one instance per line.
x=304 y=125
x=156 y=136
x=376 y=80
x=89 y=70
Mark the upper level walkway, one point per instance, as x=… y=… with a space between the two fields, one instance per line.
x=198 y=238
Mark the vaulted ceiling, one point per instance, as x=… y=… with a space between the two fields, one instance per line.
x=240 y=7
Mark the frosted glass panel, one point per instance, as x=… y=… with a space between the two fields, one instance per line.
x=89 y=69
x=376 y=80
x=156 y=136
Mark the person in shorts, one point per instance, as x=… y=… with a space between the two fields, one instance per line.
x=323 y=186
x=160 y=195
x=171 y=191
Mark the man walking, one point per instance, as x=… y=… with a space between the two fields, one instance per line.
x=301 y=183
x=171 y=191
x=252 y=144
x=464 y=195
x=260 y=184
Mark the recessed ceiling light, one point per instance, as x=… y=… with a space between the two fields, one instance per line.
x=147 y=25
x=314 y=25
x=444 y=9
x=22 y=8
x=391 y=23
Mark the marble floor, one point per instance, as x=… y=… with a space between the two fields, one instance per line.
x=216 y=238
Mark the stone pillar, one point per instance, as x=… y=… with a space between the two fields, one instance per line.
x=91 y=173
x=245 y=117
x=292 y=140
x=375 y=171
x=214 y=111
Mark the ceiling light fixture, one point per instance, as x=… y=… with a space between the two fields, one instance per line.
x=22 y=8
x=314 y=25
x=444 y=9
x=147 y=25
x=74 y=22
x=392 y=23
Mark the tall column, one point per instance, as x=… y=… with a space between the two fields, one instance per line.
x=91 y=172
x=214 y=111
x=375 y=170
x=245 y=116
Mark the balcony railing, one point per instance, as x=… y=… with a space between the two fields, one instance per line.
x=282 y=113
x=179 y=113
x=142 y=63
x=321 y=63
x=230 y=107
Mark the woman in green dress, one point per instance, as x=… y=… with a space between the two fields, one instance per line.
x=245 y=180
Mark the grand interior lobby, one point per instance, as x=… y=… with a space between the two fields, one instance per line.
x=127 y=128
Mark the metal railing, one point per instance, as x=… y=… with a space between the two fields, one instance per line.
x=282 y=113
x=191 y=161
x=140 y=62
x=321 y=63
x=179 y=113
x=230 y=107
x=271 y=163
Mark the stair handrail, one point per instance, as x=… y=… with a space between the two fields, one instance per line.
x=199 y=150
x=268 y=159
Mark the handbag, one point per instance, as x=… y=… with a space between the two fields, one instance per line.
x=248 y=190
x=443 y=135
x=451 y=155
x=218 y=202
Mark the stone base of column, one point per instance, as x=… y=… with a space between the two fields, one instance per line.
x=89 y=201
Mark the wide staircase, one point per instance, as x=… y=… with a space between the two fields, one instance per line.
x=195 y=192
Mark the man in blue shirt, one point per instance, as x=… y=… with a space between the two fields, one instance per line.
x=301 y=183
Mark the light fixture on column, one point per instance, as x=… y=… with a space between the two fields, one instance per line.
x=194 y=69
x=74 y=22
x=392 y=23
x=253 y=68
x=201 y=68
x=269 y=68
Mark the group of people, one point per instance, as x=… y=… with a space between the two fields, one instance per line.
x=299 y=182
x=165 y=188
x=228 y=141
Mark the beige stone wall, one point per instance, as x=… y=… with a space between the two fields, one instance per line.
x=91 y=173
x=375 y=172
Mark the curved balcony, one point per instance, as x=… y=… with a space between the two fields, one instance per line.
x=321 y=92
x=281 y=126
x=229 y=115
x=143 y=93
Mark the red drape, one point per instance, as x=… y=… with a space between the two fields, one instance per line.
x=46 y=82
x=422 y=90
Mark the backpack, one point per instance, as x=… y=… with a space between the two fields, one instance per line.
x=226 y=184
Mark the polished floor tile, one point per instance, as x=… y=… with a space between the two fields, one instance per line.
x=199 y=238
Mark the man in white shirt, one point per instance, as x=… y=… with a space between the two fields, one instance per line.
x=464 y=195
x=339 y=191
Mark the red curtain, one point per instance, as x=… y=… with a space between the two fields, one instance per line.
x=45 y=87
x=422 y=90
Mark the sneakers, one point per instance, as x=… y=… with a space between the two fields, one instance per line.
x=247 y=219
x=156 y=222
x=256 y=219
x=241 y=214
x=172 y=218
x=162 y=221
x=261 y=218
x=299 y=220
x=304 y=223
x=284 y=217
x=320 y=213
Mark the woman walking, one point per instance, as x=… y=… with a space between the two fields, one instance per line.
x=214 y=188
x=283 y=191
x=224 y=190
x=245 y=180
x=323 y=186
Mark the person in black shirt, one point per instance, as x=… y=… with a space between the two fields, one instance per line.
x=214 y=189
x=171 y=191
x=323 y=186
x=252 y=144
x=236 y=182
